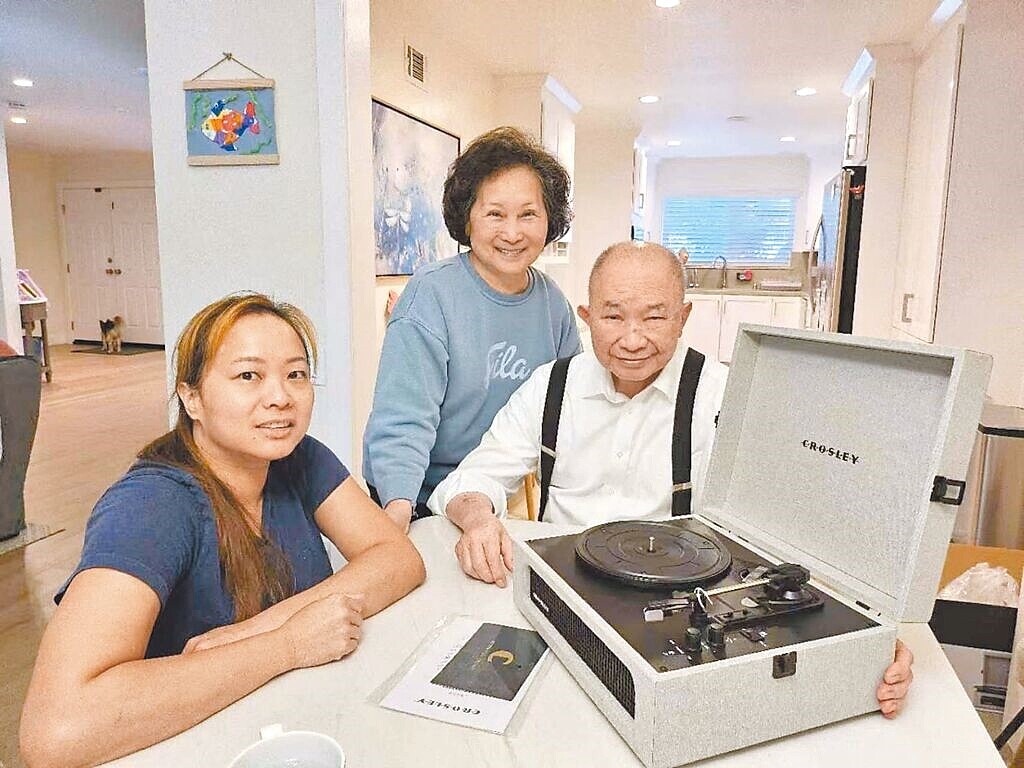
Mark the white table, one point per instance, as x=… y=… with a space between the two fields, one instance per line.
x=561 y=726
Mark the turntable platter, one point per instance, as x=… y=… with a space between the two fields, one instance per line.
x=662 y=554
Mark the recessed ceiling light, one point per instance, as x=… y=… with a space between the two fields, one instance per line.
x=805 y=91
x=788 y=138
x=22 y=82
x=673 y=143
x=19 y=120
x=649 y=99
x=666 y=3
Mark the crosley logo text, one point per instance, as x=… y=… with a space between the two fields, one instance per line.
x=452 y=707
x=828 y=450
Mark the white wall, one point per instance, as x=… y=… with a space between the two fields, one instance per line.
x=981 y=284
x=37 y=234
x=459 y=96
x=104 y=166
x=779 y=175
x=823 y=168
x=603 y=199
x=281 y=229
x=10 y=313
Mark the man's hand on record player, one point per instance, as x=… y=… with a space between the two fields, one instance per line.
x=485 y=548
x=892 y=691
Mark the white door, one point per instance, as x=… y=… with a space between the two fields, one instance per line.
x=137 y=264
x=741 y=309
x=701 y=329
x=89 y=249
x=111 y=246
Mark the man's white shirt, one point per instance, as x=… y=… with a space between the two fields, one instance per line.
x=613 y=454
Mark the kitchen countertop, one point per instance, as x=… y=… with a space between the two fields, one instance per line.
x=744 y=292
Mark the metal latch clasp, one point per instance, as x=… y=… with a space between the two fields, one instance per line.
x=941 y=486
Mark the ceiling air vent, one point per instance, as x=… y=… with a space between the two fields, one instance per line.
x=415 y=66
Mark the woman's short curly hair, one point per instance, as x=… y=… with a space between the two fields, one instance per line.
x=494 y=151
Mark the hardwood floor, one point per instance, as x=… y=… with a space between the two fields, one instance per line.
x=95 y=415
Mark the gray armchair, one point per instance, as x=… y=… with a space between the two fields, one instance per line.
x=19 y=413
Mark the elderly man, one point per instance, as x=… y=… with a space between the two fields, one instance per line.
x=606 y=454
x=602 y=425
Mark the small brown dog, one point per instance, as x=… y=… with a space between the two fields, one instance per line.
x=112 y=330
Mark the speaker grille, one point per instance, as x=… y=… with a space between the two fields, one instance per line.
x=595 y=654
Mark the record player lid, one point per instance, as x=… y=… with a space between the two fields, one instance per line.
x=826 y=452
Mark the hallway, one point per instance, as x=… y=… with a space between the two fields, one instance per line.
x=95 y=415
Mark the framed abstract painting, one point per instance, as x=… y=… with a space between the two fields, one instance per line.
x=230 y=122
x=410 y=164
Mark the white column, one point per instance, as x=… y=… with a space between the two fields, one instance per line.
x=281 y=229
x=10 y=313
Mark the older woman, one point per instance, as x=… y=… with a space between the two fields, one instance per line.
x=470 y=329
x=203 y=573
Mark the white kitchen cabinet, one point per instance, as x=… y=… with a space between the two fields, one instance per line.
x=715 y=318
x=927 y=180
x=701 y=329
x=741 y=309
x=858 y=124
x=789 y=312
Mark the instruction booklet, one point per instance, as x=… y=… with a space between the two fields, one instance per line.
x=469 y=672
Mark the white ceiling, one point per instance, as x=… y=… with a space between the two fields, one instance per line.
x=707 y=59
x=83 y=56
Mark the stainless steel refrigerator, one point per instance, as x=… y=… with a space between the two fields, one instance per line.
x=837 y=242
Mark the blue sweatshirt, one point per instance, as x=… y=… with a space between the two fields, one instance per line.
x=454 y=352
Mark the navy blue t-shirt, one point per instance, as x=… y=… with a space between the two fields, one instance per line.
x=156 y=524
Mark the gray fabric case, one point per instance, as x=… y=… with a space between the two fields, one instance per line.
x=868 y=531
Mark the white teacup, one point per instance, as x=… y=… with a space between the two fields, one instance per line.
x=278 y=748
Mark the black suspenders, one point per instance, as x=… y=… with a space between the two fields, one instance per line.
x=549 y=427
x=681 y=431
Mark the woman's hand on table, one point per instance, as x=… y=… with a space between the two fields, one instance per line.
x=325 y=630
x=347 y=609
x=485 y=549
x=892 y=691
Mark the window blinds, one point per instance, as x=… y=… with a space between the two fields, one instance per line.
x=745 y=230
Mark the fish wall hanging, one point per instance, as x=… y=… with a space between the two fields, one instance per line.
x=230 y=122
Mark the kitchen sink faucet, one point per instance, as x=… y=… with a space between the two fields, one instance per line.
x=721 y=272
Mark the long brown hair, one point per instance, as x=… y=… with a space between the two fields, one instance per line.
x=256 y=572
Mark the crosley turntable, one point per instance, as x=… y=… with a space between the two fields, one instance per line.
x=774 y=608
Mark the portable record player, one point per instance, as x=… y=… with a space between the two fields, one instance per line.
x=827 y=511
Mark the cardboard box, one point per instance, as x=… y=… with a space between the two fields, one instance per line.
x=976 y=625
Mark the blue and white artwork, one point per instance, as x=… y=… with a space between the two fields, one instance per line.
x=410 y=164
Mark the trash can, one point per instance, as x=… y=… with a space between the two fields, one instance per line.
x=992 y=514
